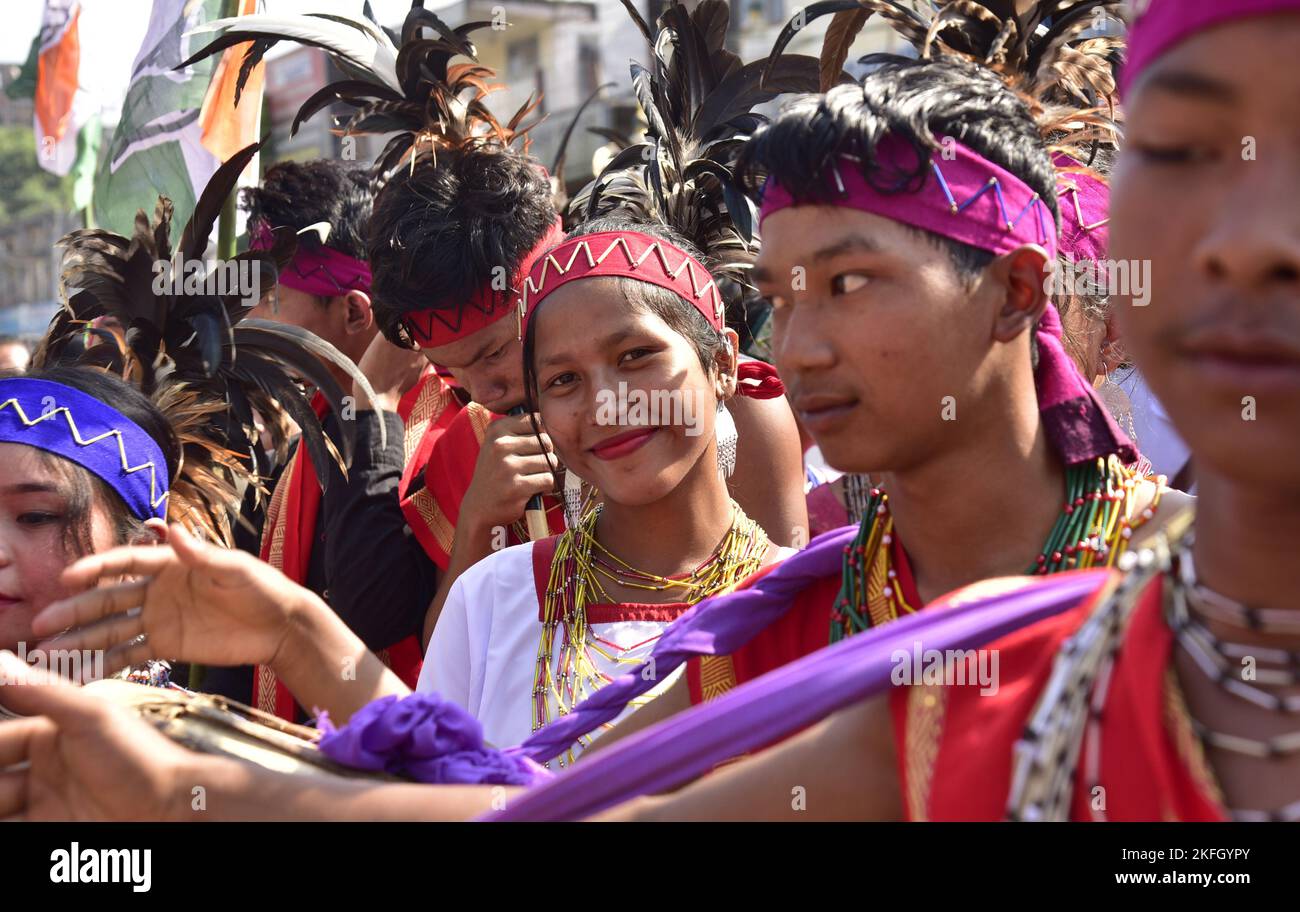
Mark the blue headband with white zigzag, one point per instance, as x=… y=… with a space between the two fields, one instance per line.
x=96 y=436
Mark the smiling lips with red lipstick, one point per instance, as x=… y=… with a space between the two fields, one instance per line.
x=623 y=444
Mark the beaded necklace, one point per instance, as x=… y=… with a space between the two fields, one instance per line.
x=1073 y=701
x=1094 y=528
x=578 y=567
x=1181 y=589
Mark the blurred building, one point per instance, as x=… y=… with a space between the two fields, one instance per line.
x=291 y=78
x=560 y=49
x=29 y=264
x=29 y=271
x=757 y=23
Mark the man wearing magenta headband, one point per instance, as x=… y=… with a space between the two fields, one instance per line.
x=327 y=541
x=326 y=288
x=917 y=342
x=1169 y=694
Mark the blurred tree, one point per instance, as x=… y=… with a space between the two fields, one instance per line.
x=25 y=188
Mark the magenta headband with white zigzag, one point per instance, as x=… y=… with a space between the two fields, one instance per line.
x=965 y=198
x=971 y=200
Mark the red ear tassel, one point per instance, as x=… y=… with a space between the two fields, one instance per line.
x=758 y=380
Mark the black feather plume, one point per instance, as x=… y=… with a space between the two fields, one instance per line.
x=183 y=339
x=412 y=89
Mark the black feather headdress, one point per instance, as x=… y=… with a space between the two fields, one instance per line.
x=1040 y=47
x=139 y=308
x=1067 y=80
x=698 y=100
x=405 y=84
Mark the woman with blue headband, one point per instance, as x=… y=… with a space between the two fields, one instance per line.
x=143 y=404
x=81 y=477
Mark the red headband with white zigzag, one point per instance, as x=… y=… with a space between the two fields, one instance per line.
x=623 y=253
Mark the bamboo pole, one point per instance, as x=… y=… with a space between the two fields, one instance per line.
x=226 y=223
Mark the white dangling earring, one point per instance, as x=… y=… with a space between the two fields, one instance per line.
x=1119 y=405
x=724 y=430
x=572 y=498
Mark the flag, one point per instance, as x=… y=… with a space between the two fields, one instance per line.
x=227 y=128
x=24 y=84
x=66 y=118
x=177 y=126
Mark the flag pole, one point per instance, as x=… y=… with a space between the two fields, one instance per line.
x=226 y=228
x=226 y=222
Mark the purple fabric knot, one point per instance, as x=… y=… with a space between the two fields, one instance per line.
x=427 y=738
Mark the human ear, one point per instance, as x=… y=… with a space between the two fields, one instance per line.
x=1113 y=354
x=358 y=316
x=155 y=533
x=725 y=364
x=1021 y=277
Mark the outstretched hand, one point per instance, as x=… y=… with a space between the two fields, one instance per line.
x=80 y=757
x=193 y=602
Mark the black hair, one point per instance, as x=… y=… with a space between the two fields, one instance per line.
x=84 y=488
x=680 y=316
x=445 y=229
x=919 y=101
x=298 y=194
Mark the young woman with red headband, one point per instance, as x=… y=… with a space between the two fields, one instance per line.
x=533 y=629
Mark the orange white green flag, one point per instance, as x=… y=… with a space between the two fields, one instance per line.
x=66 y=121
x=177 y=125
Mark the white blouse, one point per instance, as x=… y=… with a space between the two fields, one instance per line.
x=483 y=653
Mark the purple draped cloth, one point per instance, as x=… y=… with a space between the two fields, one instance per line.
x=716 y=626
x=787 y=699
x=423 y=737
